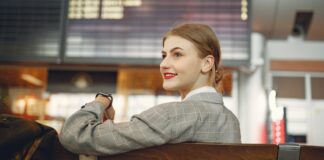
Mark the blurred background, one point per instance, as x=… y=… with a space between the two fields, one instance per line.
x=55 y=55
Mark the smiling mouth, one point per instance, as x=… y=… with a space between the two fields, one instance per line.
x=169 y=75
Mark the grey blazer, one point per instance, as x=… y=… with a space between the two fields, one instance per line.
x=200 y=118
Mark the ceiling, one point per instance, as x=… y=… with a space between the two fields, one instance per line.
x=275 y=18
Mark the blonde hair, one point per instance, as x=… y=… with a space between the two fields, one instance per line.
x=206 y=41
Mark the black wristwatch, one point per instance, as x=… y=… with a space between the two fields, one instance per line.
x=109 y=96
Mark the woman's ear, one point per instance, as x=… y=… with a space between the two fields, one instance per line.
x=208 y=63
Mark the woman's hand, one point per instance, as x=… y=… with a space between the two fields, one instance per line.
x=109 y=113
x=109 y=110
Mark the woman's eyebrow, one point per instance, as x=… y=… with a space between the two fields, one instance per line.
x=175 y=48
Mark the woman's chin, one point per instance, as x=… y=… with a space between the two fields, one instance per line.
x=169 y=88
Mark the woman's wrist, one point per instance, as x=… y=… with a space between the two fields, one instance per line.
x=106 y=100
x=103 y=100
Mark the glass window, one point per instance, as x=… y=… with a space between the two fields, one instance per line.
x=289 y=87
x=317 y=87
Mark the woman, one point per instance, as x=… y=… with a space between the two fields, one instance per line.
x=191 y=66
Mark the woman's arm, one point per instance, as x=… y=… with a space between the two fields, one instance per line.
x=85 y=133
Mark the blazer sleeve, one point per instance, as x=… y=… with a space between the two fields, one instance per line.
x=85 y=133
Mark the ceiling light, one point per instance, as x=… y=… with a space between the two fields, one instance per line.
x=32 y=79
x=82 y=80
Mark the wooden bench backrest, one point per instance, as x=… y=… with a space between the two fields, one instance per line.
x=206 y=151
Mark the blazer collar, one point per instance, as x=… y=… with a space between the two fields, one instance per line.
x=208 y=97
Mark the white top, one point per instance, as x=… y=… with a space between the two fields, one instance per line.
x=205 y=89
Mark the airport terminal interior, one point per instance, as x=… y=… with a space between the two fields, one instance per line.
x=55 y=55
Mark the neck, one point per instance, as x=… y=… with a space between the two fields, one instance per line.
x=202 y=81
x=183 y=94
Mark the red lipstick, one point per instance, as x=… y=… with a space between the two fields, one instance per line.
x=168 y=75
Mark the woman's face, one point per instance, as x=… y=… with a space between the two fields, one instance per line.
x=181 y=65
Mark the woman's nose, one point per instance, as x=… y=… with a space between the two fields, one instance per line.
x=164 y=63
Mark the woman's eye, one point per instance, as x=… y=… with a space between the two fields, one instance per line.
x=163 y=56
x=177 y=54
